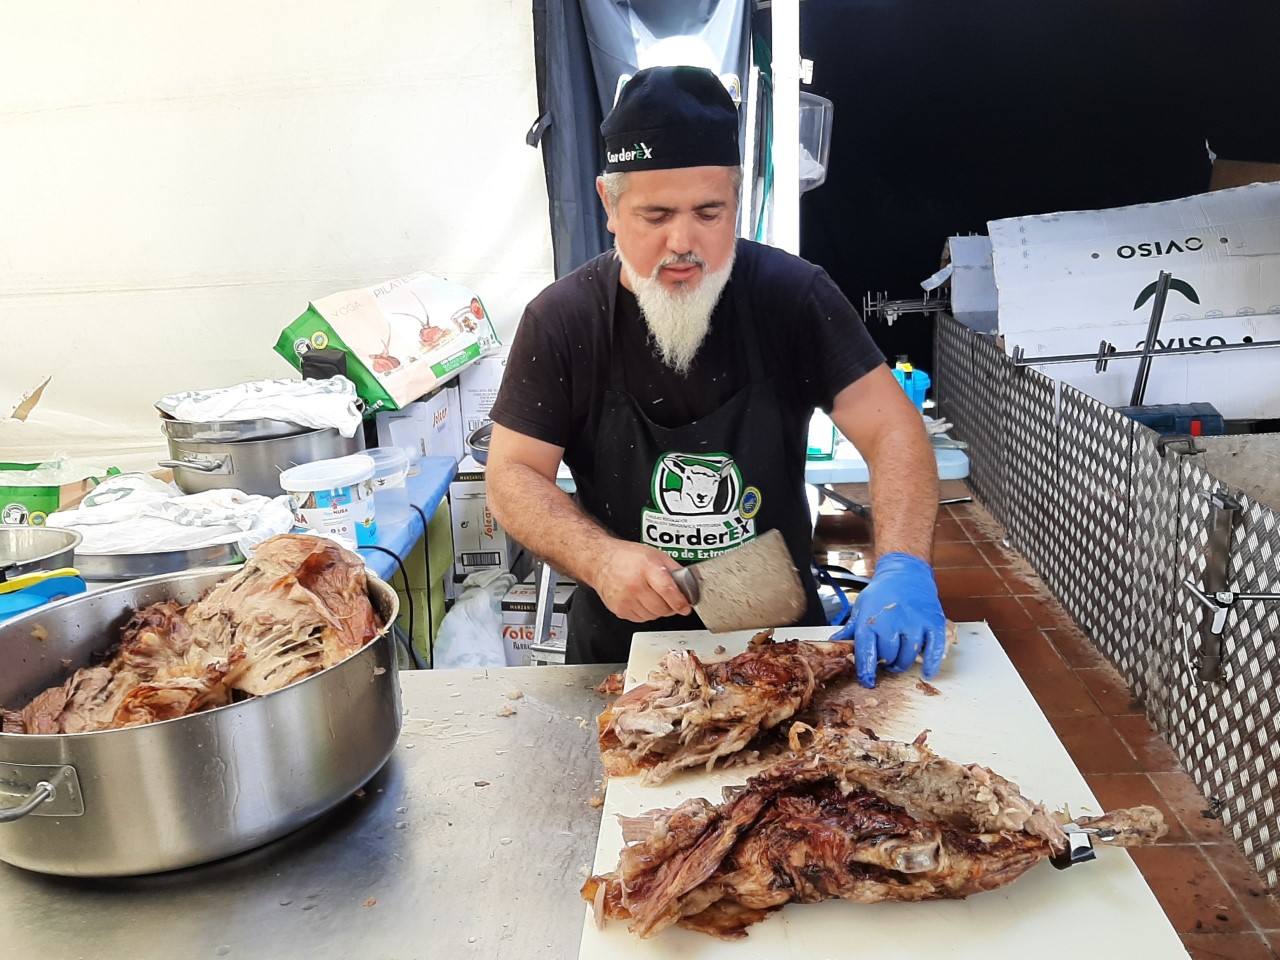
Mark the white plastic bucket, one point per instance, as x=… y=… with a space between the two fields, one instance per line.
x=334 y=497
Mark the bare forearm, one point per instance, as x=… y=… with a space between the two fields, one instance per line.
x=546 y=520
x=904 y=494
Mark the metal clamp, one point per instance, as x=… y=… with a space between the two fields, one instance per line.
x=1219 y=603
x=1183 y=444
x=1079 y=847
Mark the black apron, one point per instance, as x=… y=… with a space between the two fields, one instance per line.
x=692 y=491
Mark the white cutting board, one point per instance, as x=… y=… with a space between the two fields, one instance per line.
x=1099 y=910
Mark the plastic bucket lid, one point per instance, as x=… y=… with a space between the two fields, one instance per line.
x=328 y=474
x=389 y=463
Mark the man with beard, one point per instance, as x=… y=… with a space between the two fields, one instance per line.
x=676 y=377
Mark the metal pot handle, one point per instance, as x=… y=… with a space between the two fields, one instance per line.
x=43 y=791
x=46 y=790
x=192 y=465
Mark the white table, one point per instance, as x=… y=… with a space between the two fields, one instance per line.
x=1103 y=910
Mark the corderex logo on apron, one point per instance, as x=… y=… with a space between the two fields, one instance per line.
x=699 y=507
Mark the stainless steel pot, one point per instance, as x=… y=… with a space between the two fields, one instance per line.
x=251 y=465
x=28 y=549
x=225 y=431
x=185 y=791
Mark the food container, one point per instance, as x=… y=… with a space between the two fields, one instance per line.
x=334 y=497
x=28 y=549
x=193 y=789
x=253 y=466
x=390 y=467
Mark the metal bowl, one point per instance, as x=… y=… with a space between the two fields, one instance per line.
x=180 y=792
x=28 y=549
x=479 y=442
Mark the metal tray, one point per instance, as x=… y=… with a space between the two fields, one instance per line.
x=114 y=567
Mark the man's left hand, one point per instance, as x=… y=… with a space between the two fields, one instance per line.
x=897 y=616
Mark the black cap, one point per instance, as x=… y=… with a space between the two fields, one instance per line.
x=669 y=117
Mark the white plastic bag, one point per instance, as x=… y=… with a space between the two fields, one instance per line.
x=471 y=633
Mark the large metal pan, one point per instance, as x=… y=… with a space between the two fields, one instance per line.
x=28 y=549
x=253 y=466
x=116 y=567
x=185 y=791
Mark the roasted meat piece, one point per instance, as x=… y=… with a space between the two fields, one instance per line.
x=88 y=698
x=691 y=713
x=850 y=818
x=300 y=605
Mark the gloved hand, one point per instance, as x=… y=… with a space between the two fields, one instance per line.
x=896 y=616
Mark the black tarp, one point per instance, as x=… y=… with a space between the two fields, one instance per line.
x=581 y=49
x=569 y=125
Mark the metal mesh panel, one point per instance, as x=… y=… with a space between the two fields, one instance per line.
x=1094 y=466
x=1031 y=464
x=948 y=381
x=1191 y=708
x=1114 y=528
x=953 y=363
x=986 y=414
x=1143 y=656
x=1252 y=705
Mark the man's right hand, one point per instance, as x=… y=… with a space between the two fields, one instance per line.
x=634 y=581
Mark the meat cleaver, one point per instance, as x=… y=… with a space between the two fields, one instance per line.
x=746 y=588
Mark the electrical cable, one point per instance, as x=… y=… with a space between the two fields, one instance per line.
x=414 y=658
x=431 y=646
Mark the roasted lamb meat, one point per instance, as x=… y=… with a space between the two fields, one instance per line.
x=691 y=713
x=300 y=605
x=850 y=817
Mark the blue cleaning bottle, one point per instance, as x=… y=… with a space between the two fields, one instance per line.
x=914 y=382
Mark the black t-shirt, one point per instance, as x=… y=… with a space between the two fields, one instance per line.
x=812 y=341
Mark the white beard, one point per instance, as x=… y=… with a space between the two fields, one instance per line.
x=679 y=320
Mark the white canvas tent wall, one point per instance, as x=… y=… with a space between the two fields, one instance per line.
x=181 y=179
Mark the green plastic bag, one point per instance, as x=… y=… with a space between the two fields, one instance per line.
x=402 y=338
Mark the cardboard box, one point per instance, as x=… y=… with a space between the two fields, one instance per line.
x=479 y=387
x=1067 y=281
x=479 y=542
x=430 y=427
x=519 y=609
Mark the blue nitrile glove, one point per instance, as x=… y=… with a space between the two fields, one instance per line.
x=896 y=615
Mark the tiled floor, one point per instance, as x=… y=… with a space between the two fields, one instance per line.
x=1210 y=893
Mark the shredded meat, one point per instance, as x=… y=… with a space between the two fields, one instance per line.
x=691 y=713
x=611 y=685
x=852 y=818
x=300 y=605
